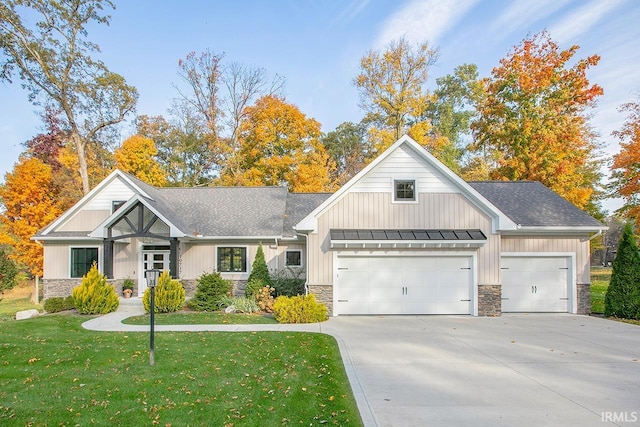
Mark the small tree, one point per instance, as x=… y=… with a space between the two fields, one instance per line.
x=168 y=296
x=259 y=269
x=211 y=288
x=8 y=272
x=95 y=295
x=623 y=295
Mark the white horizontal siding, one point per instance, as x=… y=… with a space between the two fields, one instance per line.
x=116 y=190
x=404 y=163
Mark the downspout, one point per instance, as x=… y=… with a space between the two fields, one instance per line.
x=306 y=270
x=599 y=233
x=277 y=254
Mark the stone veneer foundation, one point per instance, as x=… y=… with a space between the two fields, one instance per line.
x=489 y=300
x=584 y=298
x=323 y=294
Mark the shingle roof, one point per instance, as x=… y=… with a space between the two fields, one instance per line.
x=531 y=204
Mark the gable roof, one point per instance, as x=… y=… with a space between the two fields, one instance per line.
x=532 y=205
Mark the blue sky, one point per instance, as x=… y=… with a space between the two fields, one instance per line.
x=317 y=44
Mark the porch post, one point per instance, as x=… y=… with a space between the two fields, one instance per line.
x=173 y=258
x=107 y=259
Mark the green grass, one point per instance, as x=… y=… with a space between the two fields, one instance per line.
x=201 y=318
x=56 y=373
x=17 y=299
x=600 y=277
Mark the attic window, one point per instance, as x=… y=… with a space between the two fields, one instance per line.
x=404 y=190
x=116 y=204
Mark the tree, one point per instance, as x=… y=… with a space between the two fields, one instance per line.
x=391 y=89
x=533 y=123
x=47 y=146
x=626 y=164
x=29 y=201
x=348 y=147
x=137 y=157
x=259 y=276
x=623 y=294
x=279 y=146
x=8 y=272
x=52 y=57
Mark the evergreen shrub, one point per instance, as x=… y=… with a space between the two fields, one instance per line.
x=169 y=295
x=94 y=295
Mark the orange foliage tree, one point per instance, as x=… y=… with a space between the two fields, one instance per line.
x=137 y=157
x=532 y=124
x=279 y=145
x=28 y=196
x=626 y=164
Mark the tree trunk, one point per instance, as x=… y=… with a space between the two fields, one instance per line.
x=82 y=161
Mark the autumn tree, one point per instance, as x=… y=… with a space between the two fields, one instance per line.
x=626 y=164
x=533 y=124
x=137 y=157
x=52 y=56
x=280 y=146
x=392 y=93
x=349 y=148
x=30 y=204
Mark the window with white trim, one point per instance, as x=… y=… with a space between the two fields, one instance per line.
x=81 y=261
x=293 y=258
x=117 y=204
x=404 y=190
x=232 y=259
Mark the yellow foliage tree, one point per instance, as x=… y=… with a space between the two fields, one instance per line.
x=28 y=195
x=137 y=157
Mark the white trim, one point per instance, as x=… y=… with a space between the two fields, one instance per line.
x=474 y=270
x=72 y=247
x=572 y=291
x=555 y=230
x=413 y=201
x=293 y=266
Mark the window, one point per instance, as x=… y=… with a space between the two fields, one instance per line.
x=293 y=259
x=82 y=259
x=232 y=260
x=116 y=204
x=405 y=190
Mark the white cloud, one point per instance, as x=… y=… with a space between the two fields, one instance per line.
x=423 y=20
x=351 y=11
x=582 y=20
x=522 y=14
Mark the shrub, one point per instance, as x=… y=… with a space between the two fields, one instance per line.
x=259 y=269
x=94 y=295
x=57 y=304
x=623 y=294
x=8 y=272
x=288 y=283
x=211 y=287
x=241 y=304
x=253 y=287
x=264 y=298
x=169 y=295
x=128 y=284
x=299 y=309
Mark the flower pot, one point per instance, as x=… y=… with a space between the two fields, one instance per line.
x=127 y=293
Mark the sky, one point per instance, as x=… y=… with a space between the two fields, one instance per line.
x=316 y=45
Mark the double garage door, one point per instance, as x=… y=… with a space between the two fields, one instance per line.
x=404 y=284
x=535 y=284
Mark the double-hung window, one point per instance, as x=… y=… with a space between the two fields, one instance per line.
x=82 y=259
x=232 y=259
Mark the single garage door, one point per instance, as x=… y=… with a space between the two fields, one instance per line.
x=404 y=285
x=535 y=284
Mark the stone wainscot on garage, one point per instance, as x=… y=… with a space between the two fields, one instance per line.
x=404 y=236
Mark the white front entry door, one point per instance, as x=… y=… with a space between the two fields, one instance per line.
x=535 y=284
x=152 y=260
x=404 y=285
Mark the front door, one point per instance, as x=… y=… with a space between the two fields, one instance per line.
x=154 y=259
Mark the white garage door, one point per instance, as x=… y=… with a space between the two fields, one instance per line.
x=404 y=285
x=538 y=284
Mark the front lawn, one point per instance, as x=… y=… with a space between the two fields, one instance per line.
x=201 y=318
x=17 y=299
x=600 y=277
x=56 y=373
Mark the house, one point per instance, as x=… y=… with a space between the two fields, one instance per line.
x=405 y=236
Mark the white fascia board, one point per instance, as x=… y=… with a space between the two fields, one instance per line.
x=555 y=230
x=101 y=230
x=236 y=237
x=85 y=199
x=61 y=238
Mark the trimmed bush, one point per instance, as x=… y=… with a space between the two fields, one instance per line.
x=94 y=295
x=241 y=304
x=288 y=283
x=169 y=295
x=299 y=309
x=211 y=287
x=253 y=287
x=623 y=294
x=57 y=304
x=259 y=269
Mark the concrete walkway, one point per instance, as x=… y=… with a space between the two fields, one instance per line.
x=543 y=370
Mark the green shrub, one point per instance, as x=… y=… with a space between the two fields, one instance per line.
x=8 y=272
x=299 y=309
x=94 y=295
x=259 y=269
x=57 y=304
x=128 y=284
x=241 y=304
x=169 y=295
x=623 y=294
x=265 y=300
x=288 y=283
x=253 y=287
x=211 y=287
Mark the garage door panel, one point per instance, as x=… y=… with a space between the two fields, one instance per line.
x=385 y=264
x=385 y=278
x=354 y=263
x=456 y=276
x=453 y=307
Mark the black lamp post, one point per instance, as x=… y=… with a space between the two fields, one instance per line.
x=152 y=280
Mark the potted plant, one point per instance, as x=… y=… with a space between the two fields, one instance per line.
x=127 y=288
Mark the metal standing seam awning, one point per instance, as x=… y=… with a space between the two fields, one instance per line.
x=383 y=239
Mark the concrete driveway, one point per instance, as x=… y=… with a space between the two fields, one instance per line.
x=514 y=370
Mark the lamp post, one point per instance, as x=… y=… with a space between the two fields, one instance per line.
x=152 y=280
